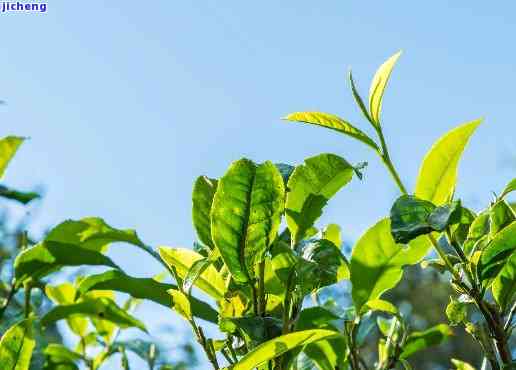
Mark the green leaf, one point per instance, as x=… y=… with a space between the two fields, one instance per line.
x=500 y=216
x=310 y=187
x=210 y=280
x=49 y=256
x=65 y=294
x=278 y=346
x=358 y=98
x=380 y=305
x=332 y=233
x=8 y=147
x=378 y=85
x=59 y=353
x=246 y=215
x=285 y=170
x=377 y=261
x=456 y=311
x=92 y=233
x=20 y=196
x=97 y=308
x=409 y=218
x=461 y=365
x=504 y=285
x=333 y=123
x=438 y=173
x=17 y=345
x=202 y=198
x=511 y=186
x=254 y=330
x=419 y=341
x=321 y=264
x=181 y=304
x=497 y=251
x=142 y=288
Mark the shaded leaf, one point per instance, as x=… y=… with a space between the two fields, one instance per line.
x=17 y=345
x=419 y=341
x=496 y=253
x=438 y=172
x=255 y=330
x=358 y=98
x=246 y=215
x=504 y=285
x=278 y=346
x=23 y=197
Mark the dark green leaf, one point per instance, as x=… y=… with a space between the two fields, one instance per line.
x=496 y=254
x=255 y=330
x=49 y=256
x=500 y=216
x=246 y=215
x=142 y=288
x=98 y=308
x=409 y=218
x=504 y=285
x=20 y=196
x=419 y=341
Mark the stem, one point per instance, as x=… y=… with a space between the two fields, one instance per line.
x=386 y=159
x=9 y=298
x=444 y=257
x=512 y=312
x=28 y=291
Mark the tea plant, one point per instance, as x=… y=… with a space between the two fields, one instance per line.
x=261 y=256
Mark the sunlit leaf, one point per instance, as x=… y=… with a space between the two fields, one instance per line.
x=497 y=251
x=65 y=294
x=333 y=123
x=202 y=198
x=456 y=311
x=210 y=280
x=378 y=85
x=504 y=285
x=246 y=215
x=377 y=261
x=511 y=186
x=17 y=345
x=310 y=187
x=278 y=346
x=438 y=172
x=380 y=305
x=358 y=98
x=181 y=304
x=461 y=365
x=8 y=148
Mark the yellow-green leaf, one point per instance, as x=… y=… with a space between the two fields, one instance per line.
x=202 y=198
x=65 y=294
x=182 y=259
x=181 y=304
x=16 y=346
x=332 y=122
x=8 y=147
x=438 y=172
x=278 y=346
x=509 y=188
x=504 y=285
x=378 y=85
x=380 y=305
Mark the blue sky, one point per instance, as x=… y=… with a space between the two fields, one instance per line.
x=126 y=103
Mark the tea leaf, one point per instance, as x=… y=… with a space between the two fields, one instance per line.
x=456 y=311
x=496 y=252
x=8 y=147
x=358 y=98
x=65 y=294
x=419 y=341
x=438 y=172
x=377 y=261
x=333 y=123
x=142 y=288
x=278 y=346
x=378 y=85
x=246 y=215
x=461 y=365
x=504 y=285
x=20 y=196
x=202 y=199
x=511 y=186
x=210 y=281
x=95 y=308
x=181 y=304
x=17 y=345
x=47 y=257
x=310 y=187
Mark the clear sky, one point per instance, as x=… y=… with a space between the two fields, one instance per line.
x=127 y=102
